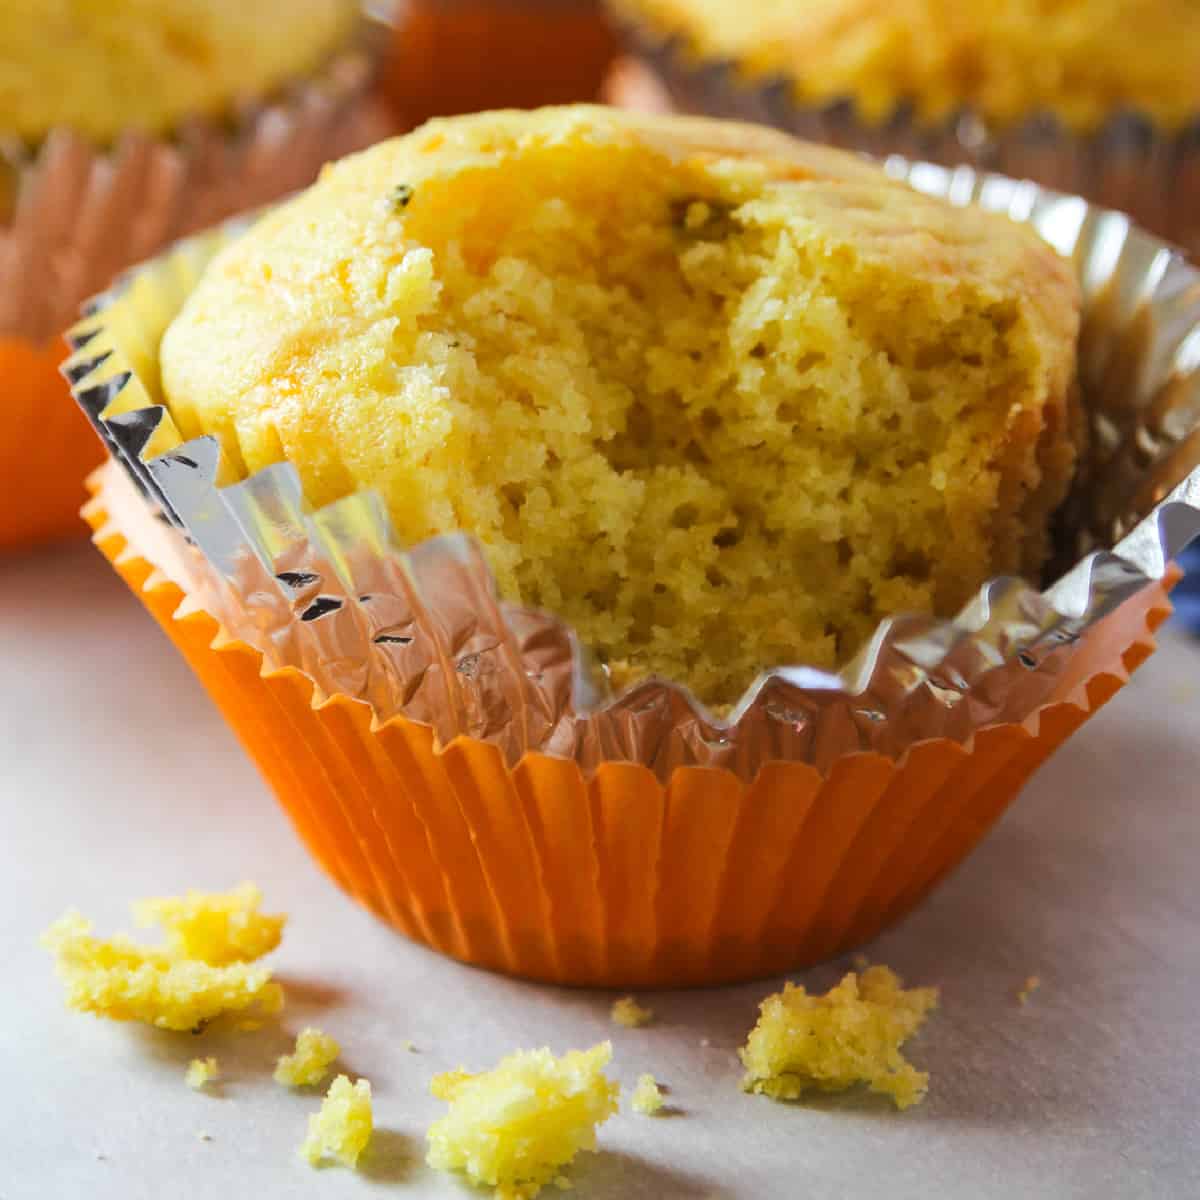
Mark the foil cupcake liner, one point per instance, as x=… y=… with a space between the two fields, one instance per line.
x=615 y=879
x=1130 y=163
x=421 y=633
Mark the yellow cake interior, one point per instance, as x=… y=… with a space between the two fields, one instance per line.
x=719 y=400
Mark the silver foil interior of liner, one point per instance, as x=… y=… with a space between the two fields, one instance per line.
x=73 y=214
x=1128 y=164
x=421 y=632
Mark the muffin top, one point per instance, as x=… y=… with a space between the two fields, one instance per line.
x=104 y=66
x=719 y=398
x=1083 y=60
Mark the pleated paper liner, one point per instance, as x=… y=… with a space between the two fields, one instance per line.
x=47 y=447
x=1129 y=163
x=617 y=879
x=80 y=214
x=453 y=763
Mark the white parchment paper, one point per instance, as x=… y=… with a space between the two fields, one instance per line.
x=1090 y=1090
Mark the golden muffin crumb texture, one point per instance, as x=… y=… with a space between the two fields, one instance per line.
x=216 y=928
x=1084 y=60
x=628 y=1012
x=125 y=981
x=201 y=1071
x=718 y=398
x=515 y=1127
x=341 y=1128
x=647 y=1097
x=103 y=66
x=851 y=1035
x=309 y=1062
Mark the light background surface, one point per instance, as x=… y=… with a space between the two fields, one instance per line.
x=118 y=780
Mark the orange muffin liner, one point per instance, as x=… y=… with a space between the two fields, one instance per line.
x=618 y=880
x=450 y=56
x=47 y=449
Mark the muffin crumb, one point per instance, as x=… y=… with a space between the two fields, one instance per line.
x=647 y=1096
x=309 y=1063
x=1031 y=985
x=214 y=927
x=628 y=1012
x=201 y=1071
x=514 y=1127
x=124 y=981
x=341 y=1128
x=851 y=1035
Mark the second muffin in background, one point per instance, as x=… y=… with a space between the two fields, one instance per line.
x=125 y=124
x=719 y=399
x=105 y=68
x=1099 y=98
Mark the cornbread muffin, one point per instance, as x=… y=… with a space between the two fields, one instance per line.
x=718 y=398
x=1083 y=60
x=104 y=66
x=515 y=1127
x=851 y=1035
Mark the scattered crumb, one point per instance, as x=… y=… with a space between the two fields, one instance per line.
x=628 y=1012
x=851 y=1035
x=309 y=1063
x=101 y=1157
x=124 y=981
x=205 y=1137
x=201 y=1071
x=342 y=1127
x=410 y=1046
x=1031 y=985
x=217 y=928
x=513 y=1127
x=647 y=1096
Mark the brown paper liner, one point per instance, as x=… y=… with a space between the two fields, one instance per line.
x=459 y=56
x=615 y=880
x=47 y=448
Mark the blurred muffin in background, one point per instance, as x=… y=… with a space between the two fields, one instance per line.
x=103 y=68
x=460 y=56
x=1098 y=97
x=124 y=124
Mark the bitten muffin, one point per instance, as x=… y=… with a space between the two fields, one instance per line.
x=1083 y=60
x=718 y=398
x=104 y=66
